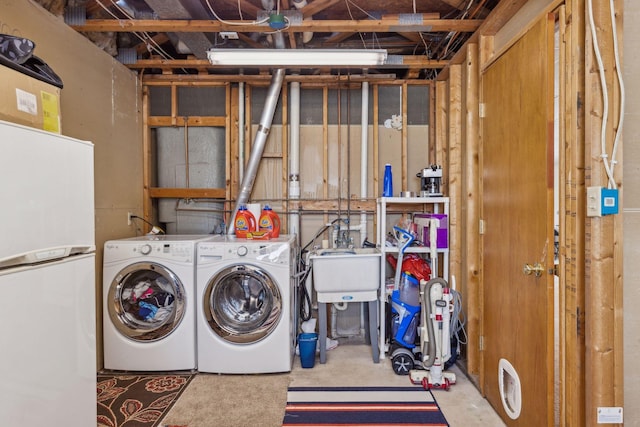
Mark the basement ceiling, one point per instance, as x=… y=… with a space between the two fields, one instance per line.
x=161 y=36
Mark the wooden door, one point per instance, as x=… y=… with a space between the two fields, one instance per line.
x=517 y=213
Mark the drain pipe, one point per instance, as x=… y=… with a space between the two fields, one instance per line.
x=261 y=137
x=294 y=155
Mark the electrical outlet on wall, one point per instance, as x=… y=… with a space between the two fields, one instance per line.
x=129 y=218
x=601 y=201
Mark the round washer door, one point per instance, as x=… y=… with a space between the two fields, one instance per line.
x=146 y=301
x=242 y=304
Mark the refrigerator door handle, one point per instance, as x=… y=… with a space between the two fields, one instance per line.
x=44 y=255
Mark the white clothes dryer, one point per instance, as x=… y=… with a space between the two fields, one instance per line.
x=149 y=303
x=247 y=299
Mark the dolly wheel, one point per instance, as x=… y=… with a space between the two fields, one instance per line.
x=402 y=362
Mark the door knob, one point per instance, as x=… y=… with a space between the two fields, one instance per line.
x=536 y=269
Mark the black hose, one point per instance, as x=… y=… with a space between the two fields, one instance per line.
x=305 y=298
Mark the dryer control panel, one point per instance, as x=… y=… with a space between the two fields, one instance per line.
x=175 y=251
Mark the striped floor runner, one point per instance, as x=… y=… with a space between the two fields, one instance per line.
x=362 y=406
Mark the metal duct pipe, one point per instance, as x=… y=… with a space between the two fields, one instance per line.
x=261 y=137
x=294 y=155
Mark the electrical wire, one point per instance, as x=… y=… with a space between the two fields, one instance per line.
x=160 y=230
x=359 y=8
x=346 y=2
x=608 y=164
x=458 y=319
x=616 y=54
x=145 y=37
x=213 y=12
x=240 y=11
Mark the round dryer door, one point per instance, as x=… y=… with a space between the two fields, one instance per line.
x=146 y=301
x=242 y=304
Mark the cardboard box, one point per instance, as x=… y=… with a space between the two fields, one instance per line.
x=423 y=221
x=29 y=101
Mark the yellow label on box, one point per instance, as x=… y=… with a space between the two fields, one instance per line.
x=50 y=113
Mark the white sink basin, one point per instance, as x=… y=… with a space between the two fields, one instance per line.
x=341 y=275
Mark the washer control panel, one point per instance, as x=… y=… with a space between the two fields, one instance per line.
x=273 y=252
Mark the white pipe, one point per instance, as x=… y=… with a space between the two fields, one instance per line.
x=307 y=35
x=335 y=307
x=364 y=154
x=342 y=306
x=294 y=155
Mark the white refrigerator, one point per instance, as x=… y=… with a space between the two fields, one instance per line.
x=47 y=279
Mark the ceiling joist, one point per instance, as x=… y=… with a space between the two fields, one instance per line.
x=406 y=61
x=327 y=26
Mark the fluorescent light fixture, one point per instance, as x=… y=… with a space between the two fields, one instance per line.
x=297 y=57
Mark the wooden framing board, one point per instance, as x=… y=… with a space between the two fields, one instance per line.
x=284 y=167
x=603 y=237
x=385 y=25
x=455 y=170
x=567 y=302
x=147 y=206
x=376 y=151
x=231 y=143
x=470 y=218
x=441 y=130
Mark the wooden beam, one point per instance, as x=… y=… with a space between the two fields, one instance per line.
x=404 y=62
x=248 y=8
x=572 y=219
x=187 y=193
x=338 y=37
x=307 y=81
x=603 y=275
x=461 y=5
x=500 y=15
x=317 y=6
x=322 y=26
x=249 y=41
x=147 y=168
x=189 y=121
x=454 y=170
x=471 y=198
x=158 y=39
x=232 y=143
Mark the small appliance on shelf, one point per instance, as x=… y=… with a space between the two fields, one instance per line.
x=430 y=181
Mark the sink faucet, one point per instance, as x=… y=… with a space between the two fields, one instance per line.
x=344 y=240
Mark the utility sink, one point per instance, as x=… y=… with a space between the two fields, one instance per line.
x=344 y=275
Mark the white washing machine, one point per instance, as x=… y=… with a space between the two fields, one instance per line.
x=149 y=303
x=246 y=315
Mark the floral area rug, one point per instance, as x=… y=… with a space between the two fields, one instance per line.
x=126 y=400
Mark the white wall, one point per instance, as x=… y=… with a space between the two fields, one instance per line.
x=631 y=206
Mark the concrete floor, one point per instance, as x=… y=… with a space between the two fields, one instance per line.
x=352 y=364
